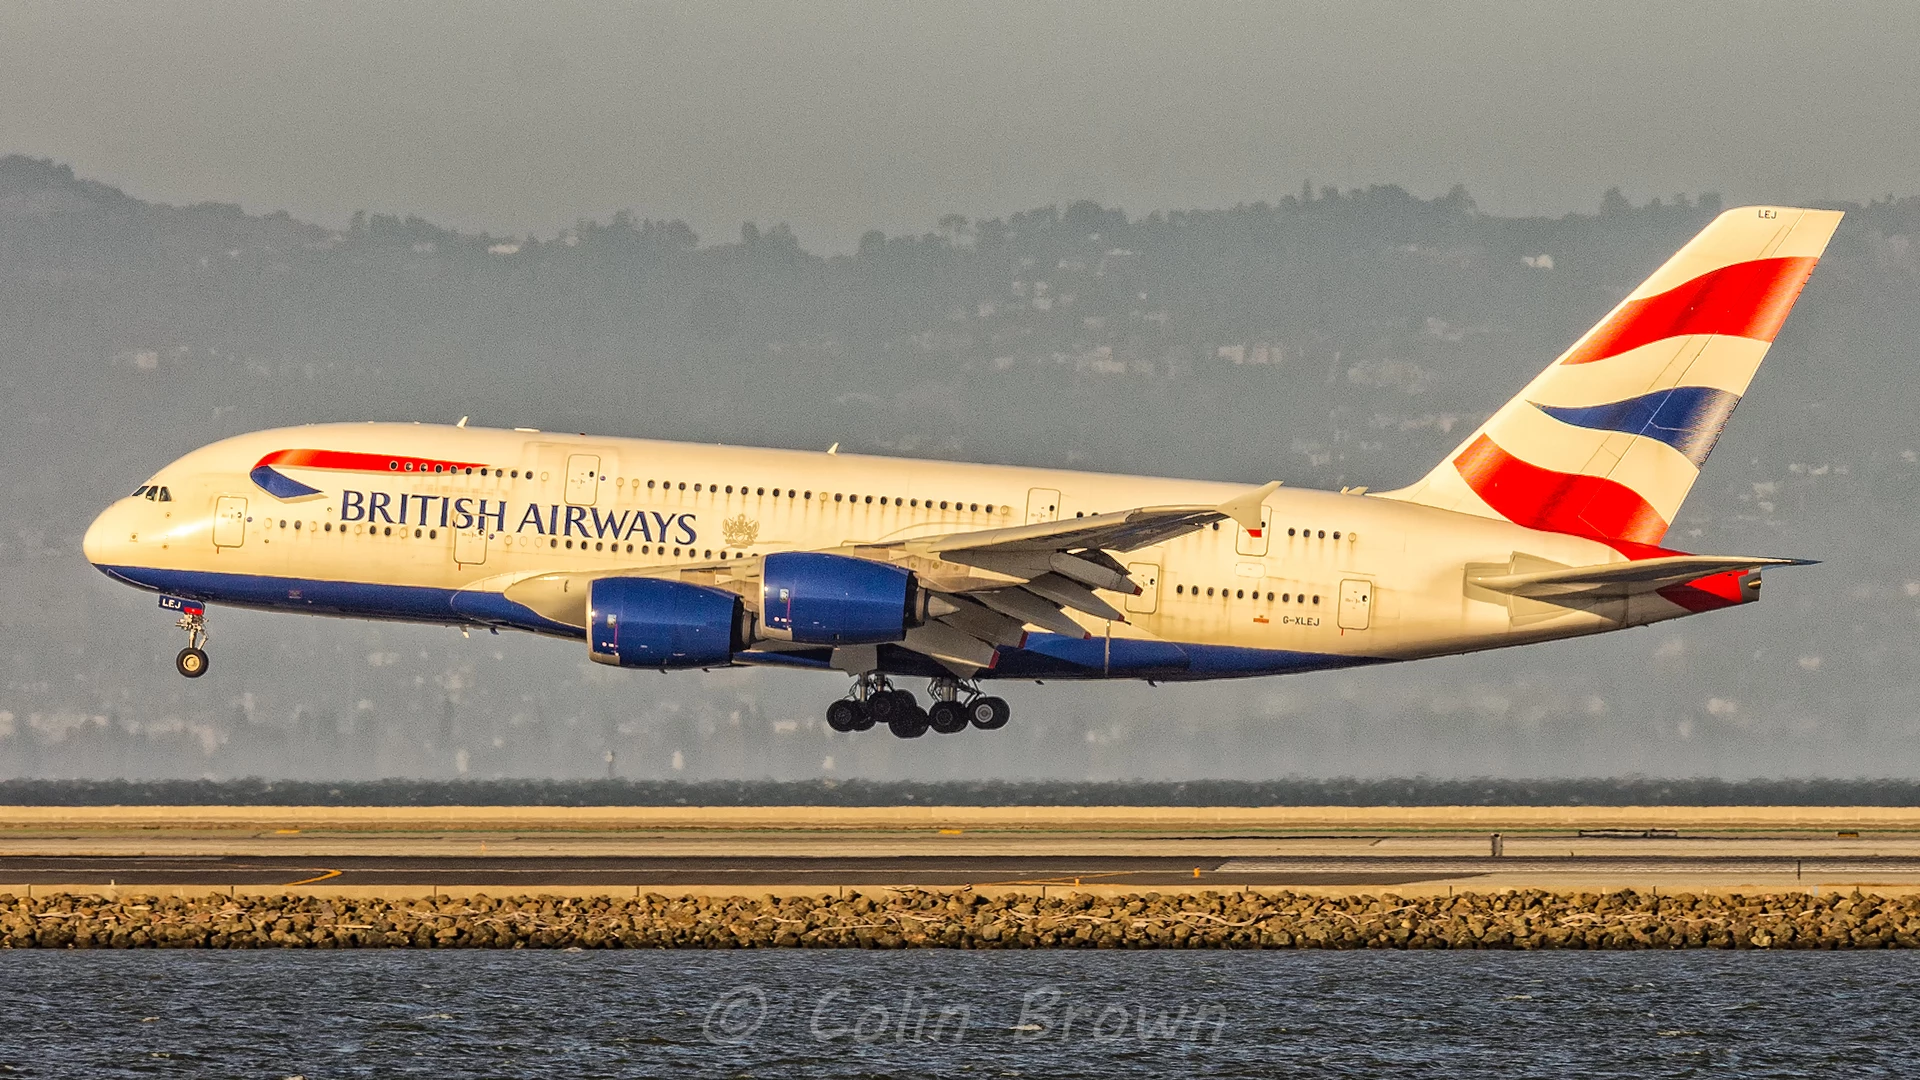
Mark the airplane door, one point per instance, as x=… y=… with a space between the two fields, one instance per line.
x=1249 y=544
x=583 y=479
x=470 y=544
x=1043 y=504
x=1147 y=575
x=230 y=521
x=1356 y=604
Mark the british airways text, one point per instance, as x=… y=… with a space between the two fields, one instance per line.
x=551 y=519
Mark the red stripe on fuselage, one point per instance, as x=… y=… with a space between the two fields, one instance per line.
x=1526 y=494
x=1749 y=299
x=357 y=462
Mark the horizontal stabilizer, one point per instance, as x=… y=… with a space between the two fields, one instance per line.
x=1622 y=578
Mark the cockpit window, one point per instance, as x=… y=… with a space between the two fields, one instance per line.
x=165 y=495
x=139 y=491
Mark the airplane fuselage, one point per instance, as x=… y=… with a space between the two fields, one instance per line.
x=435 y=524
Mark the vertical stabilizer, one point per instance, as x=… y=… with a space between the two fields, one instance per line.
x=1608 y=440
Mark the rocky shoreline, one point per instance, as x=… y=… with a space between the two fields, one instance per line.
x=1526 y=919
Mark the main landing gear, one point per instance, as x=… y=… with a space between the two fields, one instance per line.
x=956 y=704
x=192 y=661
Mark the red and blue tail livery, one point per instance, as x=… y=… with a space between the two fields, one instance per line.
x=1608 y=440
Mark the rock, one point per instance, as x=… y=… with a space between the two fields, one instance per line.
x=1523 y=920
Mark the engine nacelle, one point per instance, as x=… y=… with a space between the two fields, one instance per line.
x=820 y=599
x=650 y=623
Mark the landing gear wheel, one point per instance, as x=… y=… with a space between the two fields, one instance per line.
x=846 y=715
x=191 y=662
x=989 y=713
x=891 y=705
x=910 y=724
x=947 y=717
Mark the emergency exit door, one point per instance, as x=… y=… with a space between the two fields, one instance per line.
x=1043 y=504
x=583 y=479
x=1248 y=543
x=1147 y=576
x=1356 y=604
x=470 y=543
x=230 y=521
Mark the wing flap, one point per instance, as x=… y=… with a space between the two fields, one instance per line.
x=1030 y=609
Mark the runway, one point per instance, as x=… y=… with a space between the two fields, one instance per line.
x=814 y=873
x=715 y=850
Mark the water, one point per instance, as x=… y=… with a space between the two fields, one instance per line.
x=961 y=1014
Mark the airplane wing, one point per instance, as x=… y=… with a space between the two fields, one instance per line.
x=987 y=585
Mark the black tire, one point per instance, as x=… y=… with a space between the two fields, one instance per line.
x=890 y=705
x=865 y=720
x=844 y=715
x=191 y=662
x=910 y=724
x=989 y=713
x=947 y=717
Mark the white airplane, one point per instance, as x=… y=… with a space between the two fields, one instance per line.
x=1545 y=523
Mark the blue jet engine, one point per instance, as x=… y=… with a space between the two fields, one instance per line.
x=651 y=623
x=818 y=599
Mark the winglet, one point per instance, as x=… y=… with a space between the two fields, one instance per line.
x=1246 y=508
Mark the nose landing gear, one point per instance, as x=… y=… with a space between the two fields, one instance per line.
x=192 y=661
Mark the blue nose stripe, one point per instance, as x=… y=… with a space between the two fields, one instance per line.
x=1687 y=418
x=278 y=484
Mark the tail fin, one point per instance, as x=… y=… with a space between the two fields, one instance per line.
x=1609 y=439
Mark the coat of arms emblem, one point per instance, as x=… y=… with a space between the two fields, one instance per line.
x=740 y=531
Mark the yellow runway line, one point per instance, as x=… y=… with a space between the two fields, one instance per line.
x=311 y=880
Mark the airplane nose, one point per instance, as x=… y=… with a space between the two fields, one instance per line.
x=97 y=544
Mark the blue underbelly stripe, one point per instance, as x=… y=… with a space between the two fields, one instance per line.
x=1045 y=655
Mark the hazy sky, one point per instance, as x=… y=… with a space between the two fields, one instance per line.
x=839 y=117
